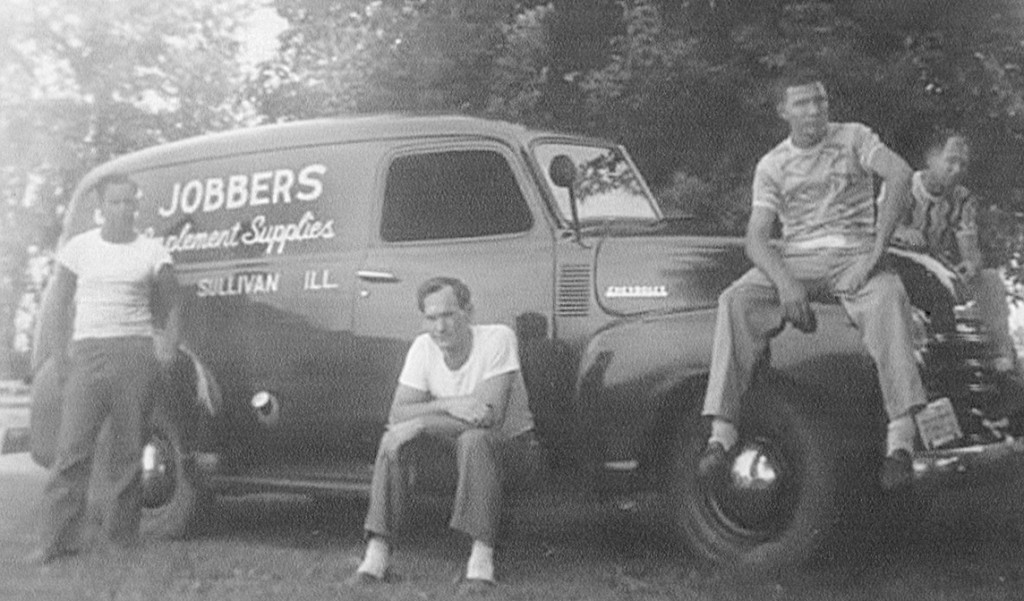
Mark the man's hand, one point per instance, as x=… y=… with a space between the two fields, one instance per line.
x=165 y=349
x=907 y=237
x=796 y=309
x=967 y=270
x=471 y=411
x=792 y=295
x=857 y=275
x=403 y=432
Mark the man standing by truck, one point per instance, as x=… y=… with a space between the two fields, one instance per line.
x=461 y=384
x=106 y=281
x=819 y=184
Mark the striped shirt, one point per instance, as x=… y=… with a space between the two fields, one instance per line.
x=943 y=219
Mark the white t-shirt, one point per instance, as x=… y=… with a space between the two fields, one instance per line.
x=114 y=284
x=494 y=352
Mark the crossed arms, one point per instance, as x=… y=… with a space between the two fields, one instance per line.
x=484 y=408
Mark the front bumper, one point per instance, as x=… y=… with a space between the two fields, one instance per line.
x=975 y=465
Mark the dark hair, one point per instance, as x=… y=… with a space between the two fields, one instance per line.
x=937 y=141
x=438 y=283
x=792 y=79
x=113 y=179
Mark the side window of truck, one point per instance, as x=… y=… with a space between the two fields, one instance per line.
x=452 y=194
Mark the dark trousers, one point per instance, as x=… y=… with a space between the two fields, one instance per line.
x=108 y=377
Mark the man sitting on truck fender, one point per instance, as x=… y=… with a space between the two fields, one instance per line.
x=819 y=184
x=944 y=224
x=461 y=384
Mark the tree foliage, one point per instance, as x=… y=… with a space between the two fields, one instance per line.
x=87 y=80
x=684 y=84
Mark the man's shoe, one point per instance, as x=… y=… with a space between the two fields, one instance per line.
x=897 y=470
x=713 y=462
x=474 y=587
x=367 y=580
x=360 y=579
x=42 y=557
x=1005 y=364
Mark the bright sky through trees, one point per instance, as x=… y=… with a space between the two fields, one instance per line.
x=259 y=35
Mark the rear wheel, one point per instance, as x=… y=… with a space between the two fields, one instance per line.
x=172 y=496
x=776 y=505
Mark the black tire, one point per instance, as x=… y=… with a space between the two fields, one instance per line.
x=172 y=507
x=759 y=534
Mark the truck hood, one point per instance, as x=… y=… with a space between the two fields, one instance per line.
x=665 y=273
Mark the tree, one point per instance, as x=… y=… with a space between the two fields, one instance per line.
x=393 y=55
x=87 y=80
x=684 y=84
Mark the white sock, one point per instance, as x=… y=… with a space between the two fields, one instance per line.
x=900 y=435
x=723 y=431
x=481 y=562
x=375 y=562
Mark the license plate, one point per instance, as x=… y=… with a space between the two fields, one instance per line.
x=937 y=424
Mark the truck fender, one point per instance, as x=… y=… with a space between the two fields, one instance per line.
x=635 y=374
x=207 y=392
x=629 y=371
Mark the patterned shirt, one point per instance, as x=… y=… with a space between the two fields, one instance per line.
x=943 y=219
x=824 y=195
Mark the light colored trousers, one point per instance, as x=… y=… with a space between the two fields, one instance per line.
x=486 y=462
x=749 y=316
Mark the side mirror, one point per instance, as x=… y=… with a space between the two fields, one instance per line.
x=562 y=171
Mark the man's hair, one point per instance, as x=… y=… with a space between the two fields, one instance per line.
x=113 y=179
x=792 y=79
x=438 y=283
x=937 y=141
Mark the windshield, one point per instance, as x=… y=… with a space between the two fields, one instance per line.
x=607 y=184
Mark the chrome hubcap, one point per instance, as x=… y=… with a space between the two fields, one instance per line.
x=754 y=497
x=157 y=473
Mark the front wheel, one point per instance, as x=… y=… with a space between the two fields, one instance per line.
x=777 y=504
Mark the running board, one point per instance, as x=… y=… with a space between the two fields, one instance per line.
x=227 y=484
x=14 y=440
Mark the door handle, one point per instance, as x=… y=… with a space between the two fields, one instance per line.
x=381 y=277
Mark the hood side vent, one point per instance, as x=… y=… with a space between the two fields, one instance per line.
x=573 y=296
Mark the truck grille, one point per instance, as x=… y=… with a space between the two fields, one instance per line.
x=573 y=298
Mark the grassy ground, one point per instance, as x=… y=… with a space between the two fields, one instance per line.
x=282 y=547
x=291 y=548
